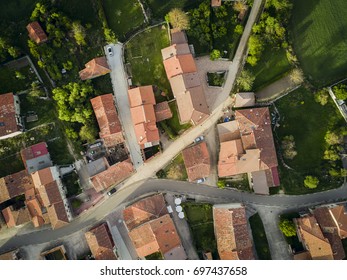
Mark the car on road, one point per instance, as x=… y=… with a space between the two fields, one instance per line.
x=201 y=180
x=199 y=139
x=109 y=51
x=111 y=191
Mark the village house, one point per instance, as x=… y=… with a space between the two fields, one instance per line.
x=95 y=68
x=10 y=119
x=36 y=157
x=36 y=32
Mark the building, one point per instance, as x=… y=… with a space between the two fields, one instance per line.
x=15 y=217
x=152 y=230
x=312 y=238
x=232 y=232
x=14 y=185
x=216 y=3
x=244 y=99
x=50 y=188
x=36 y=157
x=112 y=176
x=56 y=253
x=10 y=119
x=36 y=32
x=162 y=111
x=107 y=117
x=247 y=146
x=185 y=83
x=142 y=103
x=197 y=161
x=101 y=243
x=95 y=68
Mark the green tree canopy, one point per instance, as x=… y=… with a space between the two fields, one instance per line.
x=215 y=54
x=333 y=138
x=311 y=182
x=245 y=80
x=340 y=92
x=79 y=33
x=287 y=227
x=322 y=96
x=178 y=19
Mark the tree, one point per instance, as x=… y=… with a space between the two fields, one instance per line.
x=221 y=184
x=110 y=37
x=240 y=5
x=332 y=138
x=88 y=133
x=71 y=134
x=278 y=4
x=238 y=29
x=287 y=227
x=288 y=146
x=178 y=19
x=331 y=155
x=67 y=65
x=296 y=76
x=245 y=80
x=311 y=182
x=215 y=54
x=340 y=92
x=255 y=48
x=13 y=51
x=79 y=33
x=322 y=96
x=19 y=75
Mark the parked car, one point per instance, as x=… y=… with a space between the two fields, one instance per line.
x=199 y=139
x=109 y=50
x=201 y=180
x=111 y=191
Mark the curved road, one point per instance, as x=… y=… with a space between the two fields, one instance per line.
x=204 y=193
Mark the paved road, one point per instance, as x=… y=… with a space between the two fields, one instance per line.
x=120 y=93
x=149 y=186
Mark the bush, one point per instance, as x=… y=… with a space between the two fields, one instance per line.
x=287 y=227
x=215 y=54
x=311 y=182
x=221 y=184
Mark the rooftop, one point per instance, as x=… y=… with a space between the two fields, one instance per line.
x=95 y=68
x=57 y=215
x=8 y=123
x=244 y=99
x=162 y=111
x=36 y=32
x=179 y=64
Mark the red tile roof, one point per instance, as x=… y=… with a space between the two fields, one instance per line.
x=112 y=176
x=340 y=216
x=107 y=117
x=34 y=151
x=197 y=161
x=36 y=32
x=50 y=193
x=57 y=215
x=95 y=68
x=232 y=235
x=8 y=123
x=162 y=111
x=175 y=49
x=141 y=96
x=100 y=242
x=144 y=210
x=178 y=37
x=15 y=217
x=35 y=209
x=179 y=64
x=42 y=177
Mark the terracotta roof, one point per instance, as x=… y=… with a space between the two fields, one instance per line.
x=305 y=255
x=144 y=210
x=157 y=235
x=8 y=122
x=50 y=193
x=179 y=64
x=34 y=151
x=162 y=111
x=36 y=32
x=229 y=154
x=112 y=176
x=181 y=83
x=14 y=185
x=178 y=37
x=216 y=3
x=57 y=215
x=107 y=117
x=197 y=161
x=313 y=239
x=244 y=99
x=260 y=183
x=231 y=230
x=336 y=244
x=37 y=217
x=340 y=216
x=100 y=242
x=142 y=103
x=42 y=177
x=228 y=131
x=15 y=217
x=95 y=68
x=175 y=49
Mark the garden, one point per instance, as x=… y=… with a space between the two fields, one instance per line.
x=176 y=170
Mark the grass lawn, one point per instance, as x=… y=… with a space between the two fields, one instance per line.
x=71 y=183
x=123 y=16
x=143 y=53
x=200 y=219
x=259 y=237
x=308 y=122
x=9 y=82
x=319 y=34
x=160 y=8
x=176 y=169
x=272 y=66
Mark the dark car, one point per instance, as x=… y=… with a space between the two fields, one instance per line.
x=111 y=191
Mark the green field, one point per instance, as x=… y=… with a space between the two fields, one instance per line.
x=272 y=66
x=319 y=34
x=308 y=122
x=123 y=16
x=259 y=237
x=160 y=8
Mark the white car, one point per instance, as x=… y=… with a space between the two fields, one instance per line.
x=109 y=50
x=199 y=139
x=201 y=180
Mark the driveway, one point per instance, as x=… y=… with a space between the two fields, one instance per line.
x=120 y=93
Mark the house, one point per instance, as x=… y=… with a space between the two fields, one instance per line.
x=15 y=217
x=152 y=230
x=36 y=32
x=95 y=68
x=107 y=117
x=247 y=146
x=185 y=83
x=112 y=176
x=244 y=99
x=52 y=195
x=197 y=161
x=56 y=253
x=14 y=185
x=10 y=119
x=312 y=238
x=231 y=231
x=100 y=242
x=37 y=211
x=36 y=157
x=142 y=103
x=216 y=3
x=162 y=111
